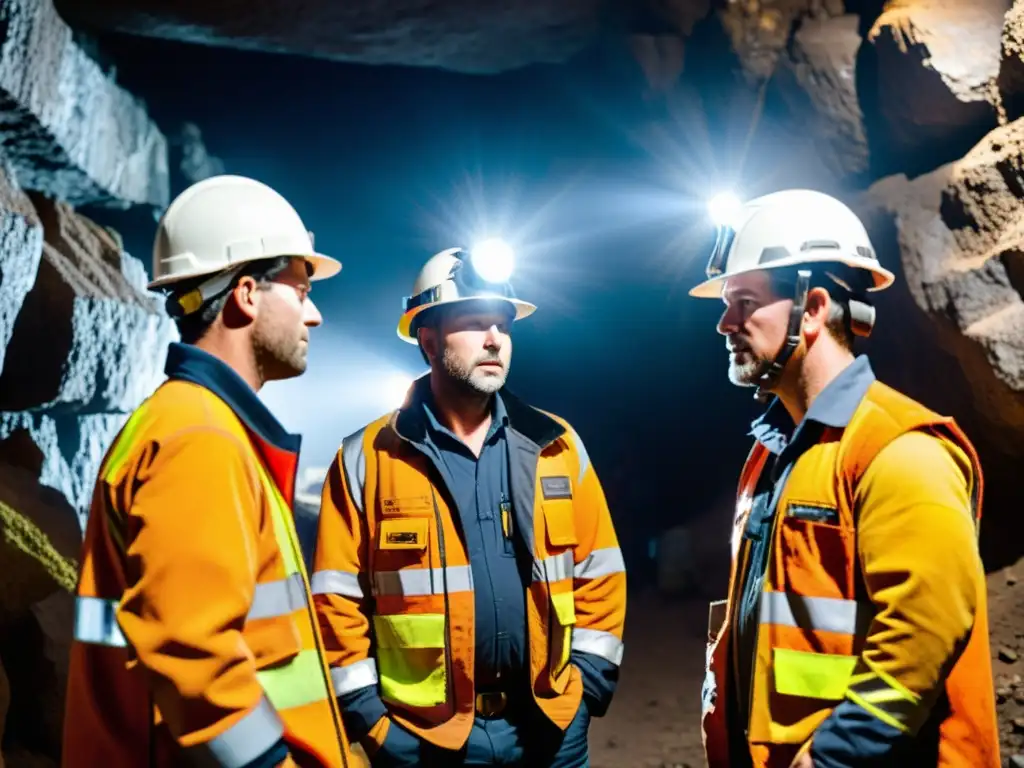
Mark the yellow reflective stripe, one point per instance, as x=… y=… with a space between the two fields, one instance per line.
x=284 y=528
x=410 y=658
x=295 y=684
x=812 y=675
x=886 y=698
x=564 y=604
x=124 y=444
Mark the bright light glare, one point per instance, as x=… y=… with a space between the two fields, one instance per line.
x=394 y=388
x=493 y=260
x=723 y=208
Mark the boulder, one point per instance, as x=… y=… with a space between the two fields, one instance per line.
x=105 y=332
x=69 y=130
x=929 y=80
x=1011 y=70
x=954 y=238
x=21 y=245
x=62 y=451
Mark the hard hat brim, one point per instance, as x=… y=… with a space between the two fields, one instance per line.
x=712 y=288
x=323 y=268
x=523 y=309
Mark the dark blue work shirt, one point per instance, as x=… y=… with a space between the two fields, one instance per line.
x=479 y=486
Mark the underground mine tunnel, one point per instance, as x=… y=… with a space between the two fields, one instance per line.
x=590 y=132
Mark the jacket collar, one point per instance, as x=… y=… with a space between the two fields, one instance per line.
x=834 y=407
x=278 y=447
x=410 y=421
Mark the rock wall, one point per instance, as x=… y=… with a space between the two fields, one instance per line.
x=81 y=340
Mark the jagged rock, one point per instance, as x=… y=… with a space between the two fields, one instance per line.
x=39 y=542
x=477 y=36
x=192 y=160
x=932 y=79
x=819 y=83
x=759 y=30
x=106 y=335
x=1011 y=71
x=69 y=130
x=21 y=244
x=62 y=450
x=959 y=242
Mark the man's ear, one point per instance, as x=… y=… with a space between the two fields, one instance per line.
x=816 y=312
x=245 y=297
x=427 y=338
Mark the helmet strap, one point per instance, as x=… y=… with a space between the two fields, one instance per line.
x=192 y=301
x=770 y=378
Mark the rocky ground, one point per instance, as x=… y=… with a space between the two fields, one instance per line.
x=655 y=719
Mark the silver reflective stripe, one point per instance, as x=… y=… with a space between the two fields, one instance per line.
x=278 y=598
x=352 y=677
x=581 y=451
x=243 y=742
x=603 y=644
x=600 y=562
x=553 y=568
x=335 y=583
x=825 y=614
x=423 y=581
x=96 y=622
x=354 y=461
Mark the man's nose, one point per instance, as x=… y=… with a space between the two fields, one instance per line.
x=493 y=338
x=728 y=323
x=311 y=316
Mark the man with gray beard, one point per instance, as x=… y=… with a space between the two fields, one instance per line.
x=467 y=576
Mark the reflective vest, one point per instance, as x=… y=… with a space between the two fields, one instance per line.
x=417 y=572
x=814 y=618
x=112 y=717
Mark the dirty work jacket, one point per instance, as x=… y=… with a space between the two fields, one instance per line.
x=194 y=635
x=870 y=646
x=393 y=584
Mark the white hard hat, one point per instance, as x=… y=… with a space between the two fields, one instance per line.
x=795 y=227
x=222 y=222
x=455 y=275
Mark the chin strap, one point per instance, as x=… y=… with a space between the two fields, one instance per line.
x=771 y=377
x=861 y=316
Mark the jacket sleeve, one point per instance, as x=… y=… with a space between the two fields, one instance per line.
x=918 y=547
x=341 y=593
x=191 y=531
x=599 y=586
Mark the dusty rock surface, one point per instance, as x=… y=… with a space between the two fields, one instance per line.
x=70 y=131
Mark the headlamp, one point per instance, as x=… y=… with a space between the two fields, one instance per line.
x=723 y=210
x=482 y=272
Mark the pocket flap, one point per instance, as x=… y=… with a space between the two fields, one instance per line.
x=560 y=524
x=404 y=533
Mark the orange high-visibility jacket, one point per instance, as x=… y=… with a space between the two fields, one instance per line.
x=195 y=638
x=892 y=618
x=392 y=581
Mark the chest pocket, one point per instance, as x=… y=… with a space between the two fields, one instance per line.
x=557 y=506
x=404 y=535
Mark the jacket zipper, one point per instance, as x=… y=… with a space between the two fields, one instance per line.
x=449 y=688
